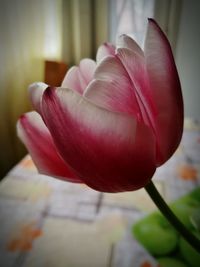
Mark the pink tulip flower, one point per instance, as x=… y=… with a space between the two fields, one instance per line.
x=112 y=122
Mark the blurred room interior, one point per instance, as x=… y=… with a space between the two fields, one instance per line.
x=40 y=40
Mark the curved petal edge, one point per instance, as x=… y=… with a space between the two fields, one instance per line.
x=34 y=134
x=166 y=91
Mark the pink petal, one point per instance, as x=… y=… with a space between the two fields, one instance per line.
x=166 y=90
x=109 y=95
x=77 y=78
x=35 y=135
x=121 y=84
x=134 y=65
x=112 y=89
x=36 y=91
x=124 y=41
x=111 y=152
x=104 y=50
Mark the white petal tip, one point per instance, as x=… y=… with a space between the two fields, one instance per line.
x=37 y=85
x=35 y=91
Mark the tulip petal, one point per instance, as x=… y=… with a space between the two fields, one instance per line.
x=134 y=65
x=77 y=78
x=111 y=152
x=104 y=50
x=111 y=88
x=35 y=135
x=166 y=91
x=36 y=91
x=109 y=95
x=121 y=84
x=124 y=41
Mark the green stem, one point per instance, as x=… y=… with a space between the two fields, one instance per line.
x=171 y=217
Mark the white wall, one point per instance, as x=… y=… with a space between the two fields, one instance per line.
x=188 y=56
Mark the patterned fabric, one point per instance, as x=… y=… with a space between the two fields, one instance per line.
x=47 y=222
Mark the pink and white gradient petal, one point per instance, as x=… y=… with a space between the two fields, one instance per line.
x=107 y=49
x=94 y=141
x=35 y=135
x=166 y=91
x=78 y=77
x=36 y=91
x=134 y=64
x=124 y=41
x=111 y=88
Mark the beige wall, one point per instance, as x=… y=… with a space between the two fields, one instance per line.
x=24 y=44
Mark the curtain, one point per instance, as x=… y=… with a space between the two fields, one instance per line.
x=85 y=27
x=167 y=13
x=26 y=31
x=130 y=16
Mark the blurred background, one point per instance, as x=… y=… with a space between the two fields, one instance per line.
x=41 y=39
